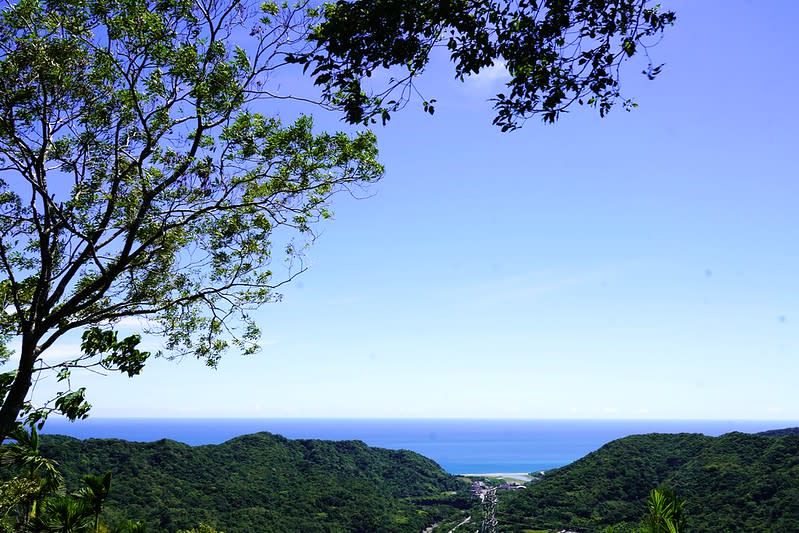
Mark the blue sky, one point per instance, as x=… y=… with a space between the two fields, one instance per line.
x=643 y=265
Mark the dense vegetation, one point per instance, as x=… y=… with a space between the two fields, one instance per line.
x=262 y=482
x=779 y=432
x=733 y=483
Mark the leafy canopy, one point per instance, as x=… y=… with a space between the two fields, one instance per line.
x=556 y=52
x=136 y=180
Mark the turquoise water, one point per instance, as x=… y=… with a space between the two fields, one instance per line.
x=459 y=446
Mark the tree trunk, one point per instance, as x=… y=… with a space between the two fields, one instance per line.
x=15 y=399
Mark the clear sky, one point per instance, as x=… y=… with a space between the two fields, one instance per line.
x=644 y=265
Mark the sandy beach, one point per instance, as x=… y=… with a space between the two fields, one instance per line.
x=512 y=476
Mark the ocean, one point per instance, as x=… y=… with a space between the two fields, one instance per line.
x=459 y=446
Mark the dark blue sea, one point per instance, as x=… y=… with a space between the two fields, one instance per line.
x=459 y=446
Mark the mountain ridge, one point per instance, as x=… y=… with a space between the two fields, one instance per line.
x=736 y=482
x=261 y=482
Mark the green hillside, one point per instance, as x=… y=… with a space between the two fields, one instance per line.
x=733 y=483
x=779 y=432
x=262 y=482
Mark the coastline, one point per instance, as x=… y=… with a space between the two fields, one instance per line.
x=522 y=477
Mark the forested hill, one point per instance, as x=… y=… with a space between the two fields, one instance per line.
x=779 y=432
x=734 y=483
x=259 y=482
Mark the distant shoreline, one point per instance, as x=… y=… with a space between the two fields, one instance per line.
x=516 y=476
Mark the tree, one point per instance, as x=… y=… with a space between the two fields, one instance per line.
x=666 y=512
x=137 y=182
x=130 y=526
x=15 y=494
x=38 y=476
x=63 y=514
x=202 y=528
x=556 y=52
x=95 y=494
x=139 y=179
